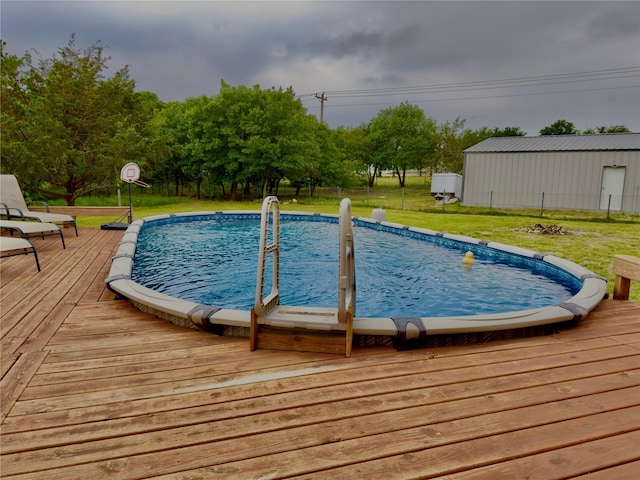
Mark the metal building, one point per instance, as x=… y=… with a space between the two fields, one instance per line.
x=580 y=172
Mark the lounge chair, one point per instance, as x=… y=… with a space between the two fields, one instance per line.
x=10 y=247
x=14 y=207
x=32 y=229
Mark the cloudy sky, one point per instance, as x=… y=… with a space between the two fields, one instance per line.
x=494 y=64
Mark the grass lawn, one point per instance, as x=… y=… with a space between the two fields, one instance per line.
x=591 y=239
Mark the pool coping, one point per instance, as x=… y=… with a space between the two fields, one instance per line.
x=205 y=316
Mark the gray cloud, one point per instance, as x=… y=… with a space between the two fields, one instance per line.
x=356 y=43
x=183 y=49
x=616 y=23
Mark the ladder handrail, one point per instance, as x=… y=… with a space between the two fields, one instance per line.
x=346 y=265
x=270 y=209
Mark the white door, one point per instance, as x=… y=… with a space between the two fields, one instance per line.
x=612 y=187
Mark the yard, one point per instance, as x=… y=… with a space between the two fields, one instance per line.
x=587 y=238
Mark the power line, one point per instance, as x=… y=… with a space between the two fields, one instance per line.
x=540 y=80
x=484 y=97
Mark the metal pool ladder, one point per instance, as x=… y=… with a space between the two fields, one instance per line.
x=300 y=328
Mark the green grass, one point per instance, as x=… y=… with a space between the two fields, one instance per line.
x=592 y=239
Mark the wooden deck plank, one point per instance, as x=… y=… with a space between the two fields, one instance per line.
x=388 y=371
x=612 y=311
x=439 y=459
x=626 y=471
x=24 y=291
x=117 y=393
x=22 y=320
x=88 y=277
x=6 y=362
x=192 y=367
x=566 y=462
x=155 y=360
x=111 y=352
x=147 y=383
x=15 y=381
x=38 y=339
x=422 y=404
x=234 y=387
x=494 y=437
x=627 y=339
x=202 y=405
x=13 y=268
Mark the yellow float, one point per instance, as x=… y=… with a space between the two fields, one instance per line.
x=468 y=259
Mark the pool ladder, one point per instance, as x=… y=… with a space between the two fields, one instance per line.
x=299 y=328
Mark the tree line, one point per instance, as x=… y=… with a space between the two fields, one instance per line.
x=67 y=129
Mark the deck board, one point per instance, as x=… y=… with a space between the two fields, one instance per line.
x=93 y=388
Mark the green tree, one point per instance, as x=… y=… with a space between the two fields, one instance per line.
x=198 y=151
x=508 y=132
x=560 y=127
x=185 y=126
x=260 y=137
x=401 y=138
x=451 y=139
x=611 y=129
x=170 y=121
x=228 y=133
x=66 y=128
x=356 y=148
x=337 y=167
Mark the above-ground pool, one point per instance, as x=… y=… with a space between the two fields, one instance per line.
x=202 y=267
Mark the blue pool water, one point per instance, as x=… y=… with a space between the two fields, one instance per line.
x=212 y=260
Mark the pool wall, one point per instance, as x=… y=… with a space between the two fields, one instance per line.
x=207 y=317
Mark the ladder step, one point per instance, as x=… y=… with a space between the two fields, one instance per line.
x=310 y=318
x=271 y=248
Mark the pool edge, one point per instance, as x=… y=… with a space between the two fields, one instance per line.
x=202 y=316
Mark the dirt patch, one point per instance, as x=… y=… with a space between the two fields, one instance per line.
x=542 y=230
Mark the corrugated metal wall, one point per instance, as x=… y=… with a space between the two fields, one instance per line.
x=569 y=180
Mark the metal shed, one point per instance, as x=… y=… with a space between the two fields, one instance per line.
x=581 y=172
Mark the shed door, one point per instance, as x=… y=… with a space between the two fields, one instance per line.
x=612 y=185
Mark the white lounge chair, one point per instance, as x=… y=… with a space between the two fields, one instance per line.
x=32 y=229
x=10 y=247
x=14 y=207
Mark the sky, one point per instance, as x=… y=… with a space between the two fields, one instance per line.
x=493 y=64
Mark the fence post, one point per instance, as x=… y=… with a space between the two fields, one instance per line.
x=542 y=205
x=402 y=198
x=609 y=208
x=491 y=202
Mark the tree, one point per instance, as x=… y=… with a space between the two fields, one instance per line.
x=67 y=129
x=184 y=124
x=447 y=154
x=337 y=167
x=611 y=129
x=259 y=137
x=508 y=132
x=401 y=138
x=560 y=127
x=356 y=148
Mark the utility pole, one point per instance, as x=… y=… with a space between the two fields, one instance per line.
x=322 y=99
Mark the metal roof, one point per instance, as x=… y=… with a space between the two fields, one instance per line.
x=558 y=143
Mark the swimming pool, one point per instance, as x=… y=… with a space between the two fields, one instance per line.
x=408 y=275
x=580 y=290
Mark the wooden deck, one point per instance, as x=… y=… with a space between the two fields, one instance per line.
x=92 y=388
